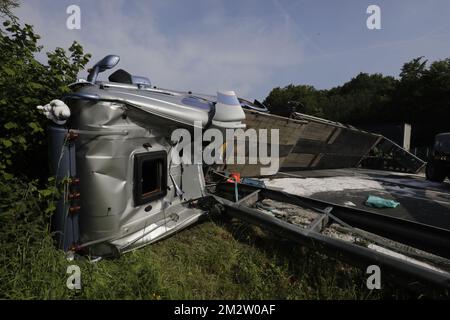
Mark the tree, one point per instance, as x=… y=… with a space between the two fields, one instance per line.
x=365 y=98
x=423 y=98
x=362 y=99
x=413 y=70
x=301 y=98
x=26 y=83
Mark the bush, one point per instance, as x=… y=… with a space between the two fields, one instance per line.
x=26 y=83
x=27 y=196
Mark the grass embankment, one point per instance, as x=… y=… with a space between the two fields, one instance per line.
x=214 y=259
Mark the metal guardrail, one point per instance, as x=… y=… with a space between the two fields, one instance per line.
x=429 y=239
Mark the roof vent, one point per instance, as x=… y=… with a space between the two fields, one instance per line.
x=229 y=113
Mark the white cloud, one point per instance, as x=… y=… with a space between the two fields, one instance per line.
x=219 y=54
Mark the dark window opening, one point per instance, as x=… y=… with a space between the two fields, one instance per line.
x=150 y=177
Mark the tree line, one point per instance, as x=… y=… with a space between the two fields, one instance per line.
x=419 y=96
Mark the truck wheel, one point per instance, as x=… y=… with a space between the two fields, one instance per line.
x=435 y=172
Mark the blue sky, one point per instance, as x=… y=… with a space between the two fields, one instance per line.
x=249 y=46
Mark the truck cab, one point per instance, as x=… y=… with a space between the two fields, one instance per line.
x=438 y=166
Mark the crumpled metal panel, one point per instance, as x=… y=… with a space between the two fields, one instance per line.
x=162 y=107
x=110 y=135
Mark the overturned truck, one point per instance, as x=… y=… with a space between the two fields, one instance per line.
x=126 y=184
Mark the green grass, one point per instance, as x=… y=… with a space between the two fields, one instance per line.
x=214 y=259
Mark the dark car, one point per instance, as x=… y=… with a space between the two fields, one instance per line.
x=438 y=166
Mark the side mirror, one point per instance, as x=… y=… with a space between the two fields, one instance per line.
x=106 y=63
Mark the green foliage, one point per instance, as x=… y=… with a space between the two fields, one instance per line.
x=424 y=93
x=421 y=96
x=358 y=100
x=26 y=83
x=26 y=203
x=6 y=6
x=212 y=260
x=25 y=211
x=303 y=98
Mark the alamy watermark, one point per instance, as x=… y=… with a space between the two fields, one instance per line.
x=73 y=21
x=374 y=280
x=373 y=22
x=236 y=146
x=74 y=280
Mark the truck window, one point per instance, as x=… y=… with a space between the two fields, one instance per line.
x=150 y=177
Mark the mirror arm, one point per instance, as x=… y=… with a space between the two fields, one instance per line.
x=92 y=77
x=106 y=63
